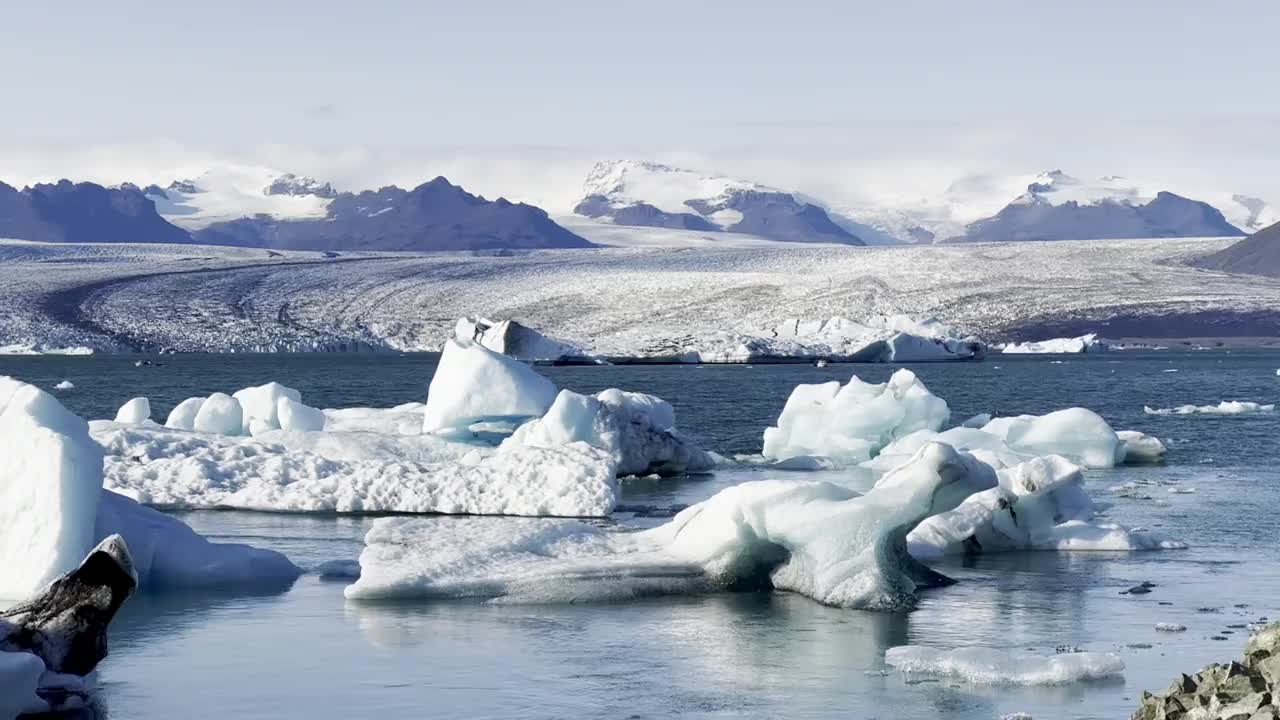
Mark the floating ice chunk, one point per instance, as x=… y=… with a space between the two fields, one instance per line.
x=220 y=414
x=20 y=674
x=987 y=666
x=516 y=340
x=851 y=424
x=50 y=478
x=167 y=554
x=65 y=385
x=170 y=468
x=134 y=412
x=1038 y=505
x=1170 y=627
x=621 y=424
x=293 y=415
x=53 y=509
x=473 y=383
x=1078 y=434
x=183 y=416
x=261 y=403
x=1140 y=448
x=819 y=539
x=1226 y=407
x=1082 y=344
x=339 y=569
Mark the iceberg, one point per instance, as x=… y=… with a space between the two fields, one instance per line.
x=988 y=666
x=184 y=414
x=53 y=509
x=815 y=538
x=65 y=385
x=293 y=415
x=518 y=341
x=852 y=423
x=219 y=413
x=20 y=674
x=134 y=412
x=1141 y=448
x=1040 y=504
x=475 y=384
x=50 y=480
x=637 y=430
x=1076 y=433
x=259 y=406
x=1090 y=343
x=1226 y=407
x=355 y=472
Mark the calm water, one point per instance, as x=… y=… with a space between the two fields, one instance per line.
x=307 y=653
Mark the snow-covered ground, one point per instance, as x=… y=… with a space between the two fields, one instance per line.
x=616 y=301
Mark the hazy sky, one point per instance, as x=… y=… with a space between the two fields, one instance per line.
x=845 y=98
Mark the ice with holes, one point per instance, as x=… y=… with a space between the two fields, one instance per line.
x=53 y=510
x=819 y=539
x=988 y=666
x=475 y=384
x=851 y=423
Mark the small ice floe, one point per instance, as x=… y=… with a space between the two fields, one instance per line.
x=65 y=385
x=1017 y=716
x=1226 y=407
x=1170 y=370
x=1181 y=491
x=1170 y=627
x=988 y=666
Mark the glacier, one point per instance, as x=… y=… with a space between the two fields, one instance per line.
x=221 y=299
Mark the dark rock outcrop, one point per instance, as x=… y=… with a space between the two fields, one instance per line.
x=290 y=184
x=66 y=625
x=1258 y=254
x=436 y=215
x=1248 y=690
x=779 y=216
x=83 y=212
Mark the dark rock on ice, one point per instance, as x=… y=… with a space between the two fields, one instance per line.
x=66 y=624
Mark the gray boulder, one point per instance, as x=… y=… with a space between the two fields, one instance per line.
x=1247 y=690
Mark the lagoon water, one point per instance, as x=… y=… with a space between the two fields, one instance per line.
x=308 y=653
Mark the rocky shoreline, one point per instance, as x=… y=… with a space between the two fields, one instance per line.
x=1246 y=690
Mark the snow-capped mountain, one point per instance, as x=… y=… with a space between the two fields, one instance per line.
x=82 y=212
x=646 y=194
x=228 y=192
x=436 y=215
x=1057 y=206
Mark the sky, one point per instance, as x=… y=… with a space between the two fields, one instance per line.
x=855 y=101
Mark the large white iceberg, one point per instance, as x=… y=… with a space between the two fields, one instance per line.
x=852 y=423
x=355 y=472
x=260 y=406
x=474 y=384
x=1082 y=344
x=815 y=538
x=519 y=341
x=50 y=479
x=53 y=509
x=1076 y=433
